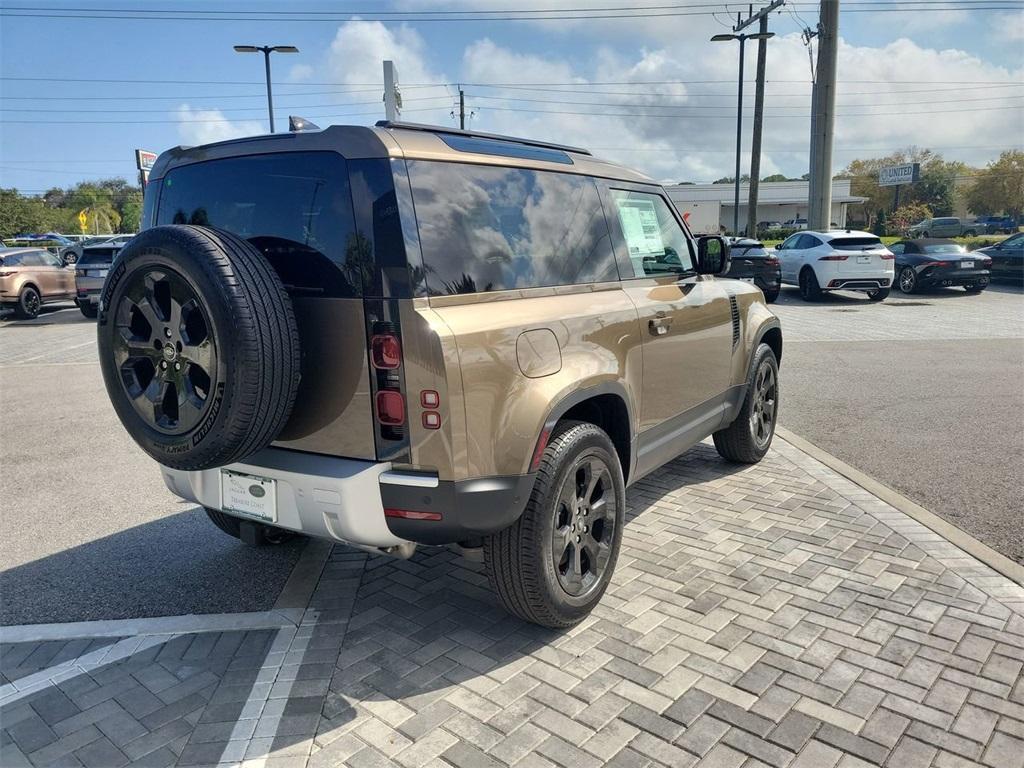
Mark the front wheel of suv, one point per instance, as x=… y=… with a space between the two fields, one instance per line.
x=748 y=438
x=553 y=564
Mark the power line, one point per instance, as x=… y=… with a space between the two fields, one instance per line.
x=719 y=106
x=515 y=14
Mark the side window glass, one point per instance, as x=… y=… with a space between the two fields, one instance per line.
x=897 y=248
x=491 y=228
x=32 y=259
x=656 y=243
x=13 y=261
x=790 y=243
x=50 y=260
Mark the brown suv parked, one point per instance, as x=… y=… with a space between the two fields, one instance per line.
x=404 y=334
x=30 y=277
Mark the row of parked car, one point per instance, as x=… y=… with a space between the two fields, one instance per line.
x=31 y=276
x=818 y=262
x=942 y=226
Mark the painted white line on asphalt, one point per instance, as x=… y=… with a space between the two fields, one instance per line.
x=160 y=625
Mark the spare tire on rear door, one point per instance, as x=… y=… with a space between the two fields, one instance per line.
x=198 y=346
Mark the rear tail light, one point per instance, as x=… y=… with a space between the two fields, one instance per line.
x=429 y=398
x=772 y=261
x=79 y=273
x=834 y=257
x=431 y=420
x=390 y=407
x=937 y=264
x=385 y=351
x=887 y=256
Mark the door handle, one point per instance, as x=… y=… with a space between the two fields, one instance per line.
x=658 y=326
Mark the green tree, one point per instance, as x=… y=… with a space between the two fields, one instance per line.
x=131 y=212
x=776 y=177
x=906 y=215
x=999 y=188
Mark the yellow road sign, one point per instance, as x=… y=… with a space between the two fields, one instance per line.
x=83 y=221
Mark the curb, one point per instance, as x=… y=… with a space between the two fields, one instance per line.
x=958 y=537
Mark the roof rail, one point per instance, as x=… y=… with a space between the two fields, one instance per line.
x=477 y=135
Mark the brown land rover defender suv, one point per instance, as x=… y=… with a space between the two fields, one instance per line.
x=405 y=335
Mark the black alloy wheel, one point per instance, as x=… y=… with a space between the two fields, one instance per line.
x=764 y=406
x=29 y=303
x=584 y=528
x=907 y=280
x=809 y=288
x=164 y=350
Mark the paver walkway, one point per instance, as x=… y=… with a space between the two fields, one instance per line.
x=772 y=615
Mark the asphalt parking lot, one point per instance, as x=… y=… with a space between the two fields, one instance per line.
x=921 y=392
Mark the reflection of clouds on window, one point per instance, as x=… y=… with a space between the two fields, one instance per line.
x=491 y=228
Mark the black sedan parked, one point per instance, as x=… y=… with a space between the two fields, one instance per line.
x=1007 y=258
x=935 y=263
x=753 y=263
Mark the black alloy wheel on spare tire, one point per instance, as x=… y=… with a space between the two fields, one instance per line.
x=198 y=346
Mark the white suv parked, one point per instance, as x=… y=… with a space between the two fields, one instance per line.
x=836 y=260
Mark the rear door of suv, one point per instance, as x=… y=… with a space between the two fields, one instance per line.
x=685 y=322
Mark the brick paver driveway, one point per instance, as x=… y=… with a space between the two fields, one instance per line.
x=773 y=615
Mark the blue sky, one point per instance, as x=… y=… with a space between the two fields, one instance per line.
x=651 y=92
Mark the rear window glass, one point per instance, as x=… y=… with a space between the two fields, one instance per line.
x=98 y=256
x=486 y=228
x=855 y=243
x=295 y=207
x=944 y=248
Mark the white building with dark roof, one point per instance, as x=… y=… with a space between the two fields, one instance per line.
x=708 y=208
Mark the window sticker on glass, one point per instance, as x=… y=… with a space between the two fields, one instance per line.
x=641 y=228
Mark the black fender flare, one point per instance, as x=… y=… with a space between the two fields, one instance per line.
x=577 y=396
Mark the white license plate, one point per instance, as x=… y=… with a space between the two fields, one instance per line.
x=248 y=495
x=966 y=265
x=863 y=259
x=747 y=280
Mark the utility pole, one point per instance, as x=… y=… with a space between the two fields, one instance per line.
x=755 y=148
x=823 y=107
x=462 y=109
x=392 y=99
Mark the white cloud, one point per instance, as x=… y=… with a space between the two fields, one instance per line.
x=202 y=126
x=299 y=73
x=1008 y=27
x=684 y=127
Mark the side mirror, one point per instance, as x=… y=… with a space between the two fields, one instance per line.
x=778 y=246
x=713 y=255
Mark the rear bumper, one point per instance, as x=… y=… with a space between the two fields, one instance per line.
x=352 y=501
x=857 y=283
x=959 y=277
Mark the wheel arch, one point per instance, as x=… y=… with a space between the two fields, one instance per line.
x=607 y=406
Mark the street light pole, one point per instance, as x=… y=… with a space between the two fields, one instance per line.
x=739 y=119
x=266 y=50
x=739 y=143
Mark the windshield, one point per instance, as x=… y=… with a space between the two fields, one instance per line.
x=855 y=243
x=945 y=248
